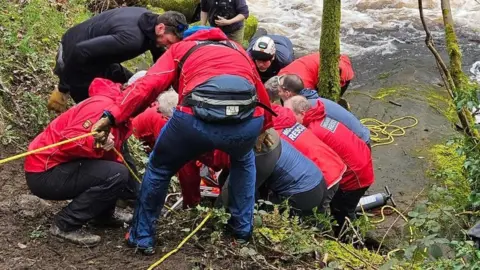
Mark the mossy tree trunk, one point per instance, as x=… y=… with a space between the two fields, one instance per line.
x=462 y=86
x=329 y=77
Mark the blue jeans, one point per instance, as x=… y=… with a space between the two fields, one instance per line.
x=184 y=138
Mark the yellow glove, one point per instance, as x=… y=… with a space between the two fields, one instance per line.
x=264 y=138
x=57 y=101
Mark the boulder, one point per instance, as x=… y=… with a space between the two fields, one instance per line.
x=186 y=7
x=25 y=205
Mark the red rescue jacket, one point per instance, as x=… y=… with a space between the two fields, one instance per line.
x=147 y=125
x=77 y=121
x=307 y=68
x=203 y=64
x=308 y=144
x=354 y=152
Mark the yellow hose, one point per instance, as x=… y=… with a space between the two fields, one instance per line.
x=385 y=133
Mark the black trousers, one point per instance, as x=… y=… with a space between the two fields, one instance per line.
x=303 y=203
x=93 y=185
x=344 y=88
x=77 y=81
x=344 y=204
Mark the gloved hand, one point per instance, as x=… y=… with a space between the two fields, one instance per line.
x=264 y=138
x=109 y=143
x=102 y=127
x=57 y=101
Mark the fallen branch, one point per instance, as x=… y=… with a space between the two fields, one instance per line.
x=450 y=85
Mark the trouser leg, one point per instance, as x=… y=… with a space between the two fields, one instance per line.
x=344 y=204
x=93 y=185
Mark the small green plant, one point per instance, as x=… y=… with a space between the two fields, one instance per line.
x=38 y=233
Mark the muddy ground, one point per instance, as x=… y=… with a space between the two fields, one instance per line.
x=24 y=239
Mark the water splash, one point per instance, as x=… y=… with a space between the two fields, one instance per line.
x=368 y=26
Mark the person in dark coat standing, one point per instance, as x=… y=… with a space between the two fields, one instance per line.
x=228 y=15
x=98 y=46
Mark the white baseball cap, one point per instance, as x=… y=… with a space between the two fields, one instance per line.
x=263 y=49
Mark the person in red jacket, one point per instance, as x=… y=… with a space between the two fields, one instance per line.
x=305 y=141
x=220 y=93
x=93 y=177
x=307 y=68
x=354 y=152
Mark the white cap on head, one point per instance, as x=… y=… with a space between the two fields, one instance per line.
x=263 y=49
x=136 y=76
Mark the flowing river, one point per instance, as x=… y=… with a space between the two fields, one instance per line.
x=375 y=29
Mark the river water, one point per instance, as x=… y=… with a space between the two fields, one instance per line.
x=375 y=29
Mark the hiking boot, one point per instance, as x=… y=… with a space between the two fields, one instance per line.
x=79 y=237
x=117 y=220
x=342 y=102
x=125 y=203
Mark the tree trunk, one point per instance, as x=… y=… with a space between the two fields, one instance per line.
x=329 y=78
x=460 y=80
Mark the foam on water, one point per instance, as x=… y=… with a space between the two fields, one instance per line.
x=367 y=25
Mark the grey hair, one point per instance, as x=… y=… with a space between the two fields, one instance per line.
x=298 y=104
x=272 y=88
x=167 y=102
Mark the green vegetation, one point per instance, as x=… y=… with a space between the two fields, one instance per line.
x=30 y=32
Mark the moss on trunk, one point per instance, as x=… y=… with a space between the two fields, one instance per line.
x=329 y=78
x=462 y=85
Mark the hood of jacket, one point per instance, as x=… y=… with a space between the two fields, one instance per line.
x=285 y=117
x=147 y=23
x=204 y=33
x=104 y=87
x=309 y=94
x=316 y=113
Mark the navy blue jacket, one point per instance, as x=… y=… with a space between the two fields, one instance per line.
x=294 y=173
x=338 y=113
x=283 y=57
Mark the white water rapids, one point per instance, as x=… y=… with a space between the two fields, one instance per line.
x=366 y=25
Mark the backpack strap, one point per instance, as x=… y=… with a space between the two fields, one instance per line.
x=201 y=44
x=193 y=49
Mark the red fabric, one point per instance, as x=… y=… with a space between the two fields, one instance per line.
x=147 y=125
x=307 y=68
x=308 y=144
x=189 y=175
x=207 y=62
x=354 y=152
x=77 y=121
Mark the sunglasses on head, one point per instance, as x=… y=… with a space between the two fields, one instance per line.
x=179 y=28
x=279 y=83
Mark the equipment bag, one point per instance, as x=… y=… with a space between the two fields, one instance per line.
x=222 y=99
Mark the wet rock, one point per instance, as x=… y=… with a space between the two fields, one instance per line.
x=25 y=205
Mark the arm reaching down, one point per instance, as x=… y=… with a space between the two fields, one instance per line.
x=143 y=92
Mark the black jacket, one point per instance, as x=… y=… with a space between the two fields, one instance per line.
x=113 y=36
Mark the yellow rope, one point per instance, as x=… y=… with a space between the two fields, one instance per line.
x=46 y=147
x=157 y=263
x=384 y=133
x=398 y=212
x=126 y=164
